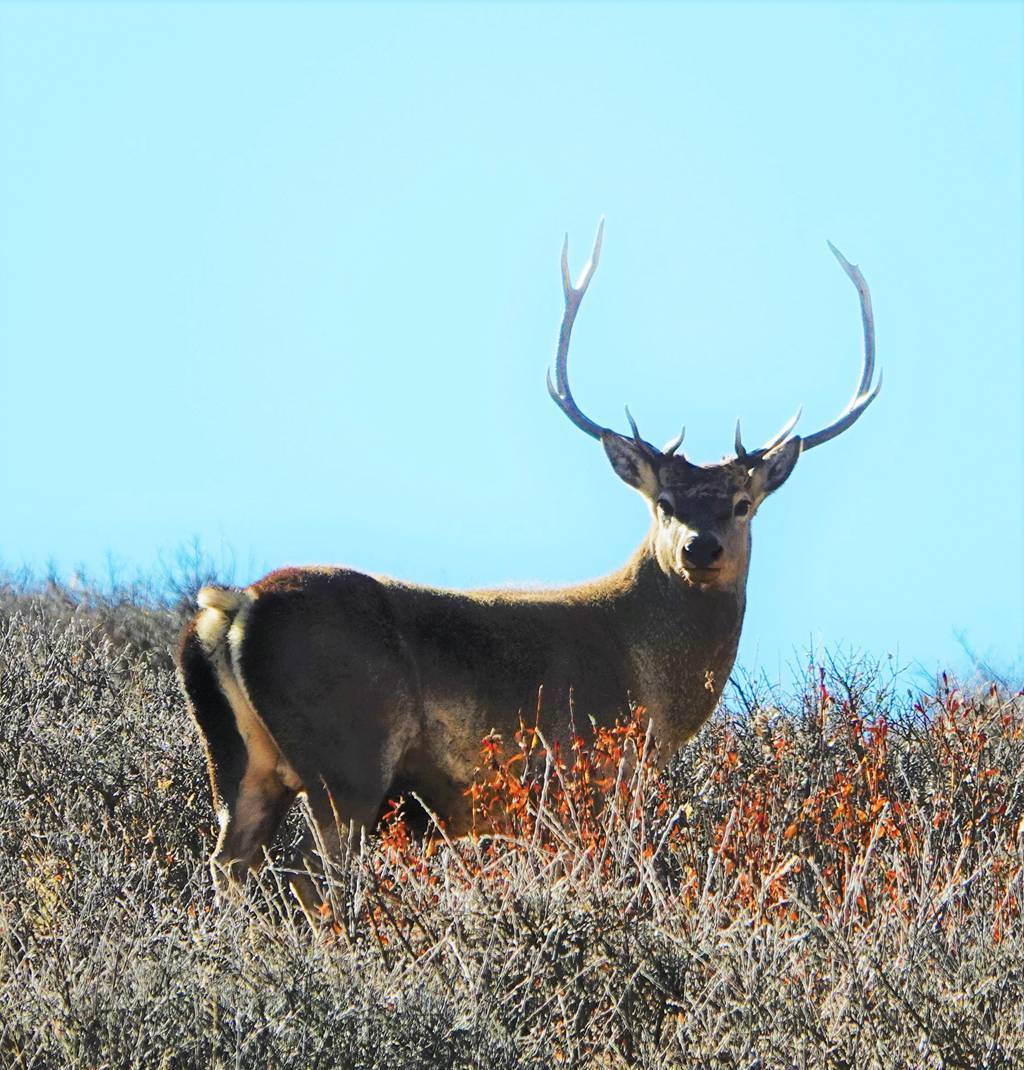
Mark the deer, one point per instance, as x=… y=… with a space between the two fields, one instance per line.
x=351 y=689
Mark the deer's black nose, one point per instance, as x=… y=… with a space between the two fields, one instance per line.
x=702 y=551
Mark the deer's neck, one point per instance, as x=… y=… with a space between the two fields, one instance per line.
x=682 y=643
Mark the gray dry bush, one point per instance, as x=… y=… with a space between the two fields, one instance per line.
x=660 y=947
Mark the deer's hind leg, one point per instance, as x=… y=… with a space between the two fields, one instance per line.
x=355 y=773
x=251 y=784
x=346 y=805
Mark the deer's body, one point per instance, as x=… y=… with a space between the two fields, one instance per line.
x=370 y=687
x=352 y=689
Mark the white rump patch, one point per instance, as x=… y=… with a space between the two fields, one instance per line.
x=211 y=627
x=225 y=599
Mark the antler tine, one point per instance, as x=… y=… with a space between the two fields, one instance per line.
x=670 y=447
x=587 y=273
x=776 y=440
x=573 y=300
x=740 y=451
x=652 y=451
x=866 y=315
x=863 y=395
x=559 y=389
x=781 y=435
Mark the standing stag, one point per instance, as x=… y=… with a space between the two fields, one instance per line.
x=353 y=688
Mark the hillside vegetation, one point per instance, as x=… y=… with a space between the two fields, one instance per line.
x=831 y=879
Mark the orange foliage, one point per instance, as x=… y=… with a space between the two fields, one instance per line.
x=844 y=847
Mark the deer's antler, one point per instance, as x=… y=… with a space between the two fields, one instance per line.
x=862 y=396
x=559 y=388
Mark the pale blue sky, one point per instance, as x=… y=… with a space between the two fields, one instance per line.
x=285 y=277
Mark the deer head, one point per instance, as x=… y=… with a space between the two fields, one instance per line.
x=701 y=513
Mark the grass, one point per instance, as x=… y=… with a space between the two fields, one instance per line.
x=832 y=879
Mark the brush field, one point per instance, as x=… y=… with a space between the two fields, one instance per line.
x=826 y=879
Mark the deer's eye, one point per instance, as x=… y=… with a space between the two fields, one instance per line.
x=741 y=508
x=665 y=507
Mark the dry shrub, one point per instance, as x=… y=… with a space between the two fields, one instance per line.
x=826 y=880
x=859 y=857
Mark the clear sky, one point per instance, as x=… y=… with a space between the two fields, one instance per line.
x=285 y=278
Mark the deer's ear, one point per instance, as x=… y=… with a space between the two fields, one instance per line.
x=774 y=468
x=632 y=465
